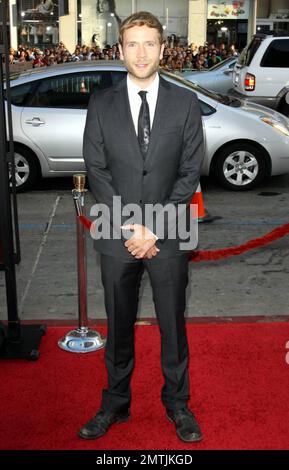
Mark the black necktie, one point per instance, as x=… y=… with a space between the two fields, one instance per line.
x=144 y=124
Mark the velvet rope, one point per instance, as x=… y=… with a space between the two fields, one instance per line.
x=85 y=221
x=270 y=237
x=209 y=255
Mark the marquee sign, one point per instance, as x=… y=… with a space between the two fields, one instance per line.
x=229 y=10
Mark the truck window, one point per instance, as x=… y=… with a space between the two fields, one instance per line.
x=277 y=54
x=248 y=53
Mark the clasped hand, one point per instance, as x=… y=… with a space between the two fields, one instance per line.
x=142 y=244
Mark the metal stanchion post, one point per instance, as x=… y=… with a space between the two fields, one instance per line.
x=82 y=339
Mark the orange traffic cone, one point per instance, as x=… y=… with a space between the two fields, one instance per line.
x=197 y=198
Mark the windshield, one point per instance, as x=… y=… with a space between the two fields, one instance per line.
x=227 y=62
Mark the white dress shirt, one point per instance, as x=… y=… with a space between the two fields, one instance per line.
x=135 y=103
x=135 y=99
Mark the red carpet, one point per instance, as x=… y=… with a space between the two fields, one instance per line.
x=239 y=382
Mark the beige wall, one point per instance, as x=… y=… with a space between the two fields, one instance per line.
x=88 y=12
x=263 y=10
x=252 y=20
x=197 y=29
x=68 y=27
x=13 y=27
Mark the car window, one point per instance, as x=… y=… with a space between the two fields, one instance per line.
x=222 y=64
x=21 y=93
x=248 y=53
x=206 y=109
x=277 y=54
x=69 y=91
x=117 y=76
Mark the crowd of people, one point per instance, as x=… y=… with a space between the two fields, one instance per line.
x=176 y=57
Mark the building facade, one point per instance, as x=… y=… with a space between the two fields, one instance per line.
x=95 y=22
x=273 y=16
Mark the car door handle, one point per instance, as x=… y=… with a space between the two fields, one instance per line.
x=36 y=121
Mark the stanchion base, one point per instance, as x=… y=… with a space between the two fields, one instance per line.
x=23 y=347
x=82 y=340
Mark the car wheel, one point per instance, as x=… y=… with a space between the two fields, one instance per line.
x=26 y=169
x=240 y=167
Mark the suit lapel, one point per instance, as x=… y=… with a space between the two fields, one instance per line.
x=159 y=117
x=123 y=109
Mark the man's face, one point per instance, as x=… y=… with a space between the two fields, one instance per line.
x=141 y=51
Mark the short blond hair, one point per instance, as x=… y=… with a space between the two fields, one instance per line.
x=142 y=18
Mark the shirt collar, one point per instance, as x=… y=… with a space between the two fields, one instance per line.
x=152 y=88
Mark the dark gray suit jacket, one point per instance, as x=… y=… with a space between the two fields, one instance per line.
x=115 y=166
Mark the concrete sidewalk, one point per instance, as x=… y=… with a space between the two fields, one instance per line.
x=253 y=284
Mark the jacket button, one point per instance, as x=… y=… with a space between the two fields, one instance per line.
x=144 y=172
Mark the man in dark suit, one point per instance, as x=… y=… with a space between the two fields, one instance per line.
x=143 y=141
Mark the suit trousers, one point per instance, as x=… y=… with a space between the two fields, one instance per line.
x=121 y=279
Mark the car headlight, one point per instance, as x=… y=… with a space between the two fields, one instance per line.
x=278 y=125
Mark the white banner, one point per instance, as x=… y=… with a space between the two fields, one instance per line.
x=218 y=9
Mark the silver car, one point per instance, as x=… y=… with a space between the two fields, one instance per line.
x=244 y=142
x=218 y=78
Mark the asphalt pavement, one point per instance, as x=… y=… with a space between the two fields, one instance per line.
x=251 y=285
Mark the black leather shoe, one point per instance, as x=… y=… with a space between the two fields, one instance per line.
x=186 y=424
x=101 y=422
